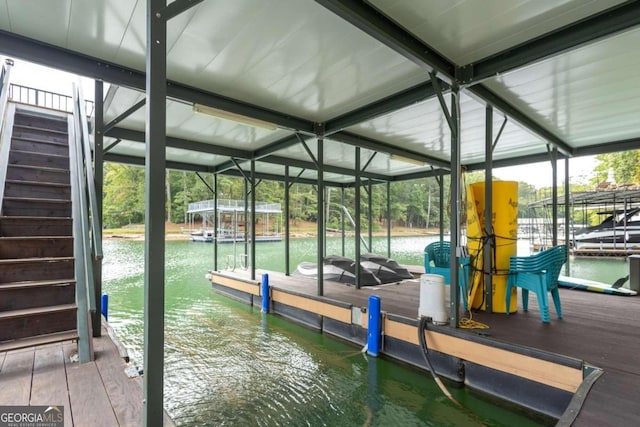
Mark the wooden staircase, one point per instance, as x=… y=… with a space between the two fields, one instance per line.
x=37 y=285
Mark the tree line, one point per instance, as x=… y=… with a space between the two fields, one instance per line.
x=413 y=203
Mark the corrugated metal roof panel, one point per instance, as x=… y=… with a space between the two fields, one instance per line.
x=587 y=96
x=467 y=30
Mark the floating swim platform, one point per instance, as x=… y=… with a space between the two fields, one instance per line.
x=592 y=286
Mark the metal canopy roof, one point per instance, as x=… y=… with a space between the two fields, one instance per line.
x=564 y=74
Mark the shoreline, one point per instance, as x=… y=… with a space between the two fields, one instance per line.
x=297 y=235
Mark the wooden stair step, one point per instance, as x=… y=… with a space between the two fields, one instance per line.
x=15 y=226
x=21 y=126
x=40 y=145
x=35 y=206
x=31 y=260
x=56 y=337
x=28 y=322
x=28 y=295
x=30 y=269
x=23 y=118
x=34 y=158
x=34 y=189
x=27 y=312
x=35 y=284
x=44 y=184
x=38 y=173
x=35 y=246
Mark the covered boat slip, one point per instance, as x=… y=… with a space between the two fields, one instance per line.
x=519 y=359
x=618 y=230
x=227 y=220
x=337 y=93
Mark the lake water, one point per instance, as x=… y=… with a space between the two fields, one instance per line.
x=227 y=364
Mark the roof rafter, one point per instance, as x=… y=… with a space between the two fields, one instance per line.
x=375 y=145
x=516 y=114
x=616 y=19
x=377 y=25
x=402 y=99
x=183 y=144
x=609 y=147
x=76 y=63
x=304 y=164
x=383 y=29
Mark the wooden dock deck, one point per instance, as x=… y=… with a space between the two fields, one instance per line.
x=97 y=393
x=600 y=330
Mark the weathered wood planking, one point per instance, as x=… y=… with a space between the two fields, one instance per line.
x=90 y=403
x=49 y=383
x=15 y=377
x=124 y=393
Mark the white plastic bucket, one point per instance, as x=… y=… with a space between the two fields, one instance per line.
x=432 y=298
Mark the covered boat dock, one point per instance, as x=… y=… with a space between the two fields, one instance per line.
x=226 y=221
x=617 y=205
x=580 y=370
x=343 y=94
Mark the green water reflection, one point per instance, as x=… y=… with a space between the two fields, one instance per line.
x=228 y=364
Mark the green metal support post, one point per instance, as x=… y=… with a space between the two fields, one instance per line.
x=370 y=216
x=342 y=221
x=388 y=219
x=246 y=217
x=357 y=214
x=488 y=211
x=287 y=213
x=441 y=210
x=554 y=196
x=320 y=225
x=215 y=222
x=98 y=166
x=567 y=235
x=155 y=161
x=253 y=219
x=455 y=204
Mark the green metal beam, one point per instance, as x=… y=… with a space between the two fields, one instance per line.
x=488 y=244
x=281 y=144
x=405 y=98
x=604 y=24
x=304 y=164
x=49 y=55
x=98 y=167
x=155 y=158
x=374 y=23
x=176 y=7
x=375 y=145
x=455 y=206
x=135 y=107
x=320 y=241
x=357 y=216
x=181 y=143
x=287 y=199
x=509 y=109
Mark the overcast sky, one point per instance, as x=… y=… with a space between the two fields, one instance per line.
x=540 y=175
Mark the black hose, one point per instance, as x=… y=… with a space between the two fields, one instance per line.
x=425 y=353
x=422 y=328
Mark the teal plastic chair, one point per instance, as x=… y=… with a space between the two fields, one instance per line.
x=538 y=273
x=436 y=261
